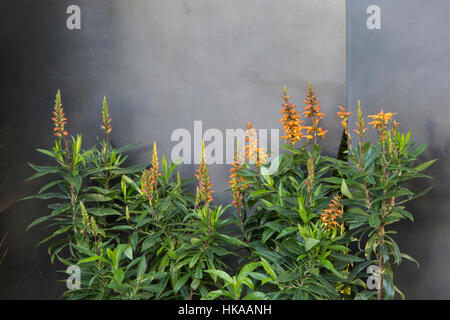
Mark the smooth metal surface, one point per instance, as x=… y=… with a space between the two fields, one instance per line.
x=404 y=67
x=162 y=64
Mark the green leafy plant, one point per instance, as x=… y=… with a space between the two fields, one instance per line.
x=303 y=210
x=312 y=226
x=136 y=233
x=237 y=287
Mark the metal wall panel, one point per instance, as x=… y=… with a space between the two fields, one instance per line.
x=404 y=67
x=162 y=64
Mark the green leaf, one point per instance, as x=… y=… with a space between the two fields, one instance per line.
x=37 y=221
x=132 y=183
x=180 y=282
x=93 y=258
x=267 y=234
x=408 y=257
x=255 y=295
x=268 y=268
x=248 y=268
x=195 y=283
x=119 y=274
x=101 y=212
x=96 y=197
x=424 y=165
x=141 y=267
x=345 y=191
x=194 y=260
x=232 y=240
x=338 y=247
x=310 y=243
x=128 y=252
x=49 y=185
x=374 y=220
x=257 y=193
x=46 y=196
x=221 y=274
x=301 y=208
x=365 y=295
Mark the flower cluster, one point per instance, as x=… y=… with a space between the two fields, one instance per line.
x=253 y=153
x=380 y=122
x=310 y=167
x=360 y=123
x=59 y=118
x=236 y=180
x=290 y=120
x=312 y=111
x=150 y=176
x=333 y=212
x=344 y=115
x=106 y=126
x=204 y=191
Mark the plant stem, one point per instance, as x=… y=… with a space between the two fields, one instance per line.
x=380 y=264
x=106 y=163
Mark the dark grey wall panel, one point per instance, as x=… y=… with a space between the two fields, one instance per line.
x=404 y=67
x=162 y=64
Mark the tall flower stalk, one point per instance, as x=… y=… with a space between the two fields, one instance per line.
x=106 y=127
x=237 y=186
x=312 y=111
x=253 y=152
x=330 y=215
x=380 y=124
x=290 y=120
x=205 y=191
x=343 y=114
x=59 y=121
x=149 y=181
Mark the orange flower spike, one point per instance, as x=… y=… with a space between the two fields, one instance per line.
x=360 y=123
x=252 y=143
x=106 y=126
x=150 y=177
x=235 y=181
x=253 y=153
x=154 y=170
x=291 y=120
x=204 y=180
x=335 y=210
x=344 y=115
x=59 y=118
x=380 y=122
x=312 y=111
x=146 y=185
x=236 y=166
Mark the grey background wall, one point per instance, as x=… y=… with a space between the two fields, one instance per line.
x=404 y=67
x=162 y=64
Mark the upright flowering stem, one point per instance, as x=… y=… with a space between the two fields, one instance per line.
x=204 y=184
x=253 y=152
x=344 y=115
x=235 y=183
x=149 y=180
x=312 y=111
x=290 y=120
x=106 y=126
x=380 y=123
x=59 y=121
x=334 y=211
x=360 y=131
x=310 y=180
